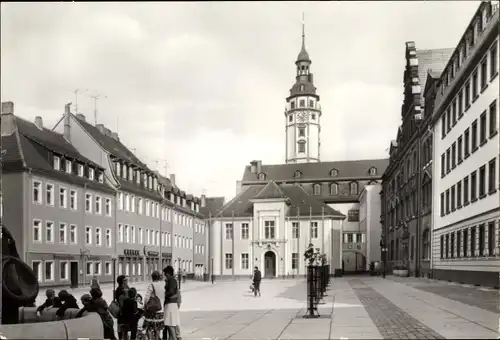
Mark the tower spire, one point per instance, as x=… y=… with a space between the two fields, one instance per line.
x=303 y=32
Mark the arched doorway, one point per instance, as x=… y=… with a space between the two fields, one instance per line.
x=270 y=264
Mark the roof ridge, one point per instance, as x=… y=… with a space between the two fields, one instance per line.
x=268 y=184
x=19 y=145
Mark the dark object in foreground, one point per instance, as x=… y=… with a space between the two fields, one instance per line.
x=318 y=279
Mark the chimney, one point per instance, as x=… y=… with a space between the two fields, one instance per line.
x=238 y=187
x=67 y=122
x=7 y=108
x=203 y=201
x=8 y=125
x=253 y=167
x=39 y=122
x=172 y=179
x=114 y=135
x=81 y=117
x=258 y=166
x=107 y=132
x=101 y=128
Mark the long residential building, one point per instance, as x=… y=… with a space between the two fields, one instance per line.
x=466 y=196
x=79 y=202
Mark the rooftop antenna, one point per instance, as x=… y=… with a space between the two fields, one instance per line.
x=76 y=97
x=96 y=97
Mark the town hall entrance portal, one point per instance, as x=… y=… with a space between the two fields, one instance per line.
x=270 y=264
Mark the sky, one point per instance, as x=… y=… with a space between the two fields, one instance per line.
x=198 y=89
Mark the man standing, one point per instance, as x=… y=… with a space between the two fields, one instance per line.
x=257 y=277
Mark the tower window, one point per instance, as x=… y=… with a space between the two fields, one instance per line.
x=311 y=103
x=317 y=189
x=302 y=147
x=302 y=103
x=298 y=174
x=302 y=132
x=302 y=87
x=334 y=173
x=334 y=189
x=290 y=118
x=313 y=116
x=292 y=105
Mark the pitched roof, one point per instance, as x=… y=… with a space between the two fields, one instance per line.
x=435 y=60
x=111 y=145
x=270 y=191
x=315 y=171
x=212 y=205
x=299 y=202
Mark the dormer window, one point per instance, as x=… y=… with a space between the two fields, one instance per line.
x=155 y=184
x=298 y=174
x=292 y=105
x=68 y=166
x=80 y=170
x=334 y=189
x=145 y=180
x=317 y=189
x=373 y=171
x=57 y=163
x=262 y=176
x=354 y=188
x=130 y=174
x=334 y=173
x=313 y=116
x=172 y=197
x=124 y=171
x=118 y=169
x=100 y=177
x=302 y=87
x=91 y=174
x=138 y=176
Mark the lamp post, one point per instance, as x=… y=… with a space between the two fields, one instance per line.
x=179 y=274
x=212 y=276
x=113 y=258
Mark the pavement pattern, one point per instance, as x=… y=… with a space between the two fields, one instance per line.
x=354 y=308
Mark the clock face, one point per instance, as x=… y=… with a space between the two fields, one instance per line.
x=302 y=116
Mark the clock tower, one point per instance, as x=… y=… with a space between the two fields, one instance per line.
x=303 y=114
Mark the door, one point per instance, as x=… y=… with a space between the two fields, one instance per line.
x=74 y=274
x=270 y=264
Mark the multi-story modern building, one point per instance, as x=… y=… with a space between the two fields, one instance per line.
x=279 y=209
x=466 y=143
x=156 y=222
x=58 y=204
x=403 y=197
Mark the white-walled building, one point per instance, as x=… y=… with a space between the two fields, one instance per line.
x=466 y=153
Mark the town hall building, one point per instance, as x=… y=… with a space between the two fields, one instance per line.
x=280 y=209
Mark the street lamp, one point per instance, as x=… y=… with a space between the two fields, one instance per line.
x=179 y=274
x=212 y=270
x=113 y=258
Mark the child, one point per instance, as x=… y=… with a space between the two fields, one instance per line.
x=51 y=301
x=140 y=309
x=128 y=315
x=95 y=303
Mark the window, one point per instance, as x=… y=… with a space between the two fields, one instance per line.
x=140 y=236
x=466 y=243
x=491 y=238
x=269 y=230
x=447 y=201
x=72 y=200
x=49 y=232
x=442 y=204
x=459 y=195
x=49 y=189
x=127 y=204
x=448 y=160
x=302 y=103
x=311 y=103
x=244 y=261
x=80 y=170
x=443 y=165
x=88 y=202
x=314 y=229
x=229 y=231
x=452 y=245
x=466 y=143
x=37 y=192
x=295 y=260
x=88 y=235
x=493 y=118
x=63 y=200
x=467 y=95
x=466 y=190
x=302 y=87
x=90 y=268
x=49 y=270
x=317 y=189
x=139 y=206
x=493 y=62
x=460 y=104
x=484 y=73
x=481 y=239
x=460 y=149
x=443 y=126
x=98 y=205
x=302 y=132
x=126 y=234
x=447 y=246
x=482 y=128
x=107 y=268
x=453 y=197
x=100 y=177
x=354 y=188
x=98 y=236
x=91 y=174
x=473 y=186
x=448 y=119
x=441 y=246
x=132 y=232
x=108 y=207
x=72 y=234
x=244 y=231
x=63 y=233
x=57 y=163
x=491 y=176
x=474 y=136
x=473 y=241
x=474 y=85
x=37 y=268
x=68 y=166
x=108 y=238
x=313 y=116
x=295 y=230
x=334 y=189
x=302 y=147
x=64 y=270
x=482 y=181
x=132 y=203
x=334 y=173
x=459 y=244
x=453 y=155
x=454 y=112
x=229 y=261
x=373 y=171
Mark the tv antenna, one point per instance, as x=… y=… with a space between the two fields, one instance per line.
x=76 y=97
x=96 y=97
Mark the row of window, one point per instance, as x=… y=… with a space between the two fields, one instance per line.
x=77 y=169
x=334 y=189
x=462 y=52
x=148 y=207
x=467 y=143
x=270 y=230
x=45 y=270
x=333 y=173
x=470 y=189
x=68 y=234
x=405 y=173
x=469 y=93
x=99 y=207
x=134 y=175
x=245 y=261
x=469 y=242
x=354 y=238
x=302 y=103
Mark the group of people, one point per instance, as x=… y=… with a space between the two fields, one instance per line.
x=159 y=308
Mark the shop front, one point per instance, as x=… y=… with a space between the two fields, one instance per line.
x=152 y=262
x=130 y=264
x=166 y=260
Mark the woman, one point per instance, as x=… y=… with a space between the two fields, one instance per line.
x=94 y=303
x=153 y=321
x=121 y=293
x=172 y=319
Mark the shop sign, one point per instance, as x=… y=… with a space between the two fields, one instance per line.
x=168 y=255
x=131 y=252
x=153 y=253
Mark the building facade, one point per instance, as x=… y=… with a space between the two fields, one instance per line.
x=403 y=180
x=303 y=114
x=59 y=206
x=465 y=242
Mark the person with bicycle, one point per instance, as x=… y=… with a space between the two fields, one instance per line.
x=153 y=307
